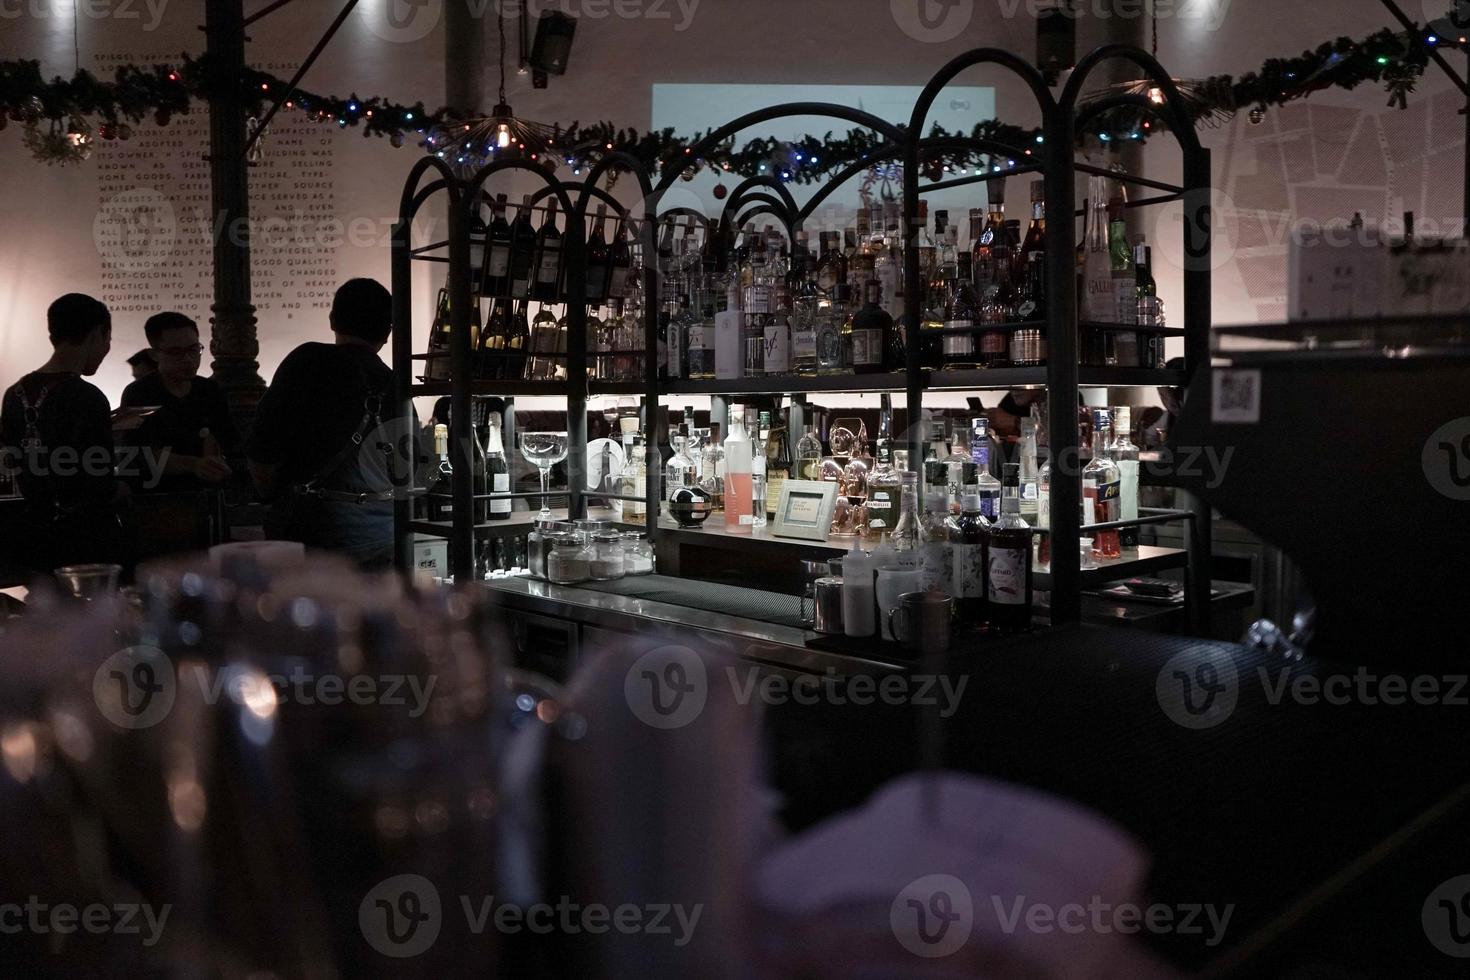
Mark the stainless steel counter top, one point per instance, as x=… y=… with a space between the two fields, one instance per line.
x=751 y=639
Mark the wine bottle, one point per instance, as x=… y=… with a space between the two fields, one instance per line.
x=548 y=259
x=598 y=257
x=523 y=252
x=495 y=276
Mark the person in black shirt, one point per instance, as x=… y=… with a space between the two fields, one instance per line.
x=192 y=429
x=57 y=441
x=327 y=490
x=143 y=364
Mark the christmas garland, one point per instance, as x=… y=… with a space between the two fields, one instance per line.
x=78 y=111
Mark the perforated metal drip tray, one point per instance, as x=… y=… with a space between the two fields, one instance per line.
x=728 y=600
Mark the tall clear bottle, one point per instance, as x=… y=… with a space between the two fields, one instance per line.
x=883 y=485
x=907 y=534
x=1102 y=490
x=935 y=529
x=1029 y=474
x=809 y=455
x=758 y=427
x=1125 y=289
x=739 y=509
x=986 y=485
x=1125 y=454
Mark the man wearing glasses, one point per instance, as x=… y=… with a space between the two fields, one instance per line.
x=192 y=423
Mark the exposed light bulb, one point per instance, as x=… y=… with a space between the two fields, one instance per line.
x=502 y=136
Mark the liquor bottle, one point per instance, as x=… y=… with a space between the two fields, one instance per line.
x=776 y=355
x=960 y=466
x=986 y=253
x=495 y=275
x=758 y=427
x=545 y=342
x=1101 y=490
x=967 y=541
x=1030 y=486
x=479 y=246
x=518 y=342
x=907 y=535
x=805 y=306
x=1008 y=562
x=927 y=247
x=522 y=252
x=992 y=270
x=1028 y=344
x=1043 y=514
x=712 y=468
x=1099 y=303
x=883 y=485
x=547 y=288
x=778 y=467
x=739 y=509
x=935 y=529
x=809 y=455
x=698 y=340
x=946 y=237
x=872 y=330
x=834 y=355
x=985 y=485
x=888 y=265
x=1150 y=308
x=498 y=469
x=437 y=366
x=620 y=279
x=599 y=259
x=633 y=481
x=441 y=480
x=489 y=357
x=1124 y=279
x=1125 y=454
x=961 y=311
x=832 y=266
x=479 y=476
x=1035 y=241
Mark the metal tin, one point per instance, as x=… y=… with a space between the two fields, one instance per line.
x=828 y=604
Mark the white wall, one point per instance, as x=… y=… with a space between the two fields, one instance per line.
x=48 y=214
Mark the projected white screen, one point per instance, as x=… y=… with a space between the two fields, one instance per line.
x=699 y=108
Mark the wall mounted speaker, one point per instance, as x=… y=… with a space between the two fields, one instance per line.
x=553 y=45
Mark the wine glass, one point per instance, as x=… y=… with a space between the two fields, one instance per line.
x=544 y=450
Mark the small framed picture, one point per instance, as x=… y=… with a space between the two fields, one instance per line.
x=805 y=510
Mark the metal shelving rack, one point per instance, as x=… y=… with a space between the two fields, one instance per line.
x=1062 y=376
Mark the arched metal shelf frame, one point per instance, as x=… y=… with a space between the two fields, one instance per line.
x=1053 y=157
x=1196 y=242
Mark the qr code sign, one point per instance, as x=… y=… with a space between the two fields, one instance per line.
x=1236 y=398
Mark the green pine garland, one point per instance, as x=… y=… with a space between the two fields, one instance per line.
x=1394 y=58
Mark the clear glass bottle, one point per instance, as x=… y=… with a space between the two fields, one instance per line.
x=935 y=528
x=778 y=467
x=1008 y=562
x=681 y=470
x=986 y=485
x=633 y=482
x=805 y=308
x=833 y=355
x=1125 y=454
x=545 y=337
x=960 y=313
x=883 y=486
x=1125 y=286
x=1043 y=515
x=758 y=428
x=907 y=534
x=1150 y=308
x=809 y=456
x=712 y=469
x=872 y=329
x=1101 y=490
x=1030 y=492
x=961 y=468
x=739 y=509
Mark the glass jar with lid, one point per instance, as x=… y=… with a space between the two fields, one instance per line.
x=568 y=558
x=607 y=556
x=588 y=527
x=538 y=544
x=637 y=554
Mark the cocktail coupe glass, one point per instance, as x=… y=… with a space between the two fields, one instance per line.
x=544 y=450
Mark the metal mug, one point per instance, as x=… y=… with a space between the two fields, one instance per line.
x=923 y=621
x=889 y=585
x=828 y=603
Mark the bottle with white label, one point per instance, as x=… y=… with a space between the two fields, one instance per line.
x=1125 y=454
x=968 y=543
x=498 y=469
x=1030 y=477
x=935 y=529
x=1008 y=561
x=739 y=474
x=759 y=432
